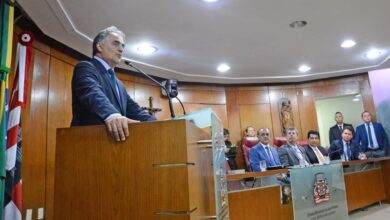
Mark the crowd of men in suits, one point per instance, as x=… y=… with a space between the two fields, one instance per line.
x=368 y=141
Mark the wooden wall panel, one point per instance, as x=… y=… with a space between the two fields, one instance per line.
x=307 y=111
x=275 y=95
x=247 y=97
x=59 y=116
x=142 y=94
x=334 y=90
x=257 y=116
x=368 y=101
x=130 y=87
x=34 y=122
x=202 y=95
x=233 y=115
x=234 y=123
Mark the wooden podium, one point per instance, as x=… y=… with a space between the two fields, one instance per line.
x=160 y=172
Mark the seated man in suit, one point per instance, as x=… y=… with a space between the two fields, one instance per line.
x=345 y=149
x=372 y=137
x=263 y=151
x=314 y=152
x=291 y=154
x=335 y=131
x=98 y=97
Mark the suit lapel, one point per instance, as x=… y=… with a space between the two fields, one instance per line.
x=364 y=131
x=264 y=154
x=275 y=156
x=106 y=77
x=122 y=95
x=113 y=89
x=293 y=152
x=376 y=129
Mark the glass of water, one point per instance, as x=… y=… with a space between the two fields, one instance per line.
x=327 y=160
x=263 y=165
x=342 y=157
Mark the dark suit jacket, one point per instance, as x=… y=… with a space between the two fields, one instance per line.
x=335 y=133
x=94 y=98
x=336 y=149
x=361 y=137
x=312 y=156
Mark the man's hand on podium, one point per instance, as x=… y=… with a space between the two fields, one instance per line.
x=118 y=127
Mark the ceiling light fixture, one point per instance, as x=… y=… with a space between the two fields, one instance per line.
x=304 y=68
x=373 y=54
x=223 y=68
x=210 y=0
x=348 y=44
x=146 y=49
x=298 y=24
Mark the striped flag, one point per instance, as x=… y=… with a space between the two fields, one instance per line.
x=13 y=187
x=6 y=34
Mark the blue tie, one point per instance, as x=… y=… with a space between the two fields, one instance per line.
x=370 y=136
x=271 y=158
x=111 y=73
x=348 y=151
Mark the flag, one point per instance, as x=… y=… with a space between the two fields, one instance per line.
x=6 y=27
x=13 y=187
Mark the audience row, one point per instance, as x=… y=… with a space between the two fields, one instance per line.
x=369 y=140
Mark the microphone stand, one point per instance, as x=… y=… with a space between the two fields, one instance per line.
x=128 y=63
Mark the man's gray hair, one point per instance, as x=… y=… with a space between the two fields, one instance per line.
x=102 y=35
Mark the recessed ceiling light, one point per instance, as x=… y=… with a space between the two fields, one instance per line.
x=146 y=49
x=358 y=95
x=373 y=54
x=223 y=68
x=348 y=44
x=356 y=99
x=298 y=24
x=210 y=0
x=304 y=68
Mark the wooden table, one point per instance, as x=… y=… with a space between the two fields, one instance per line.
x=363 y=188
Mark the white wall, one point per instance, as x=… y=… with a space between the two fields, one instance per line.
x=326 y=109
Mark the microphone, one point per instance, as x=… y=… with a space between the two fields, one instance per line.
x=128 y=63
x=336 y=151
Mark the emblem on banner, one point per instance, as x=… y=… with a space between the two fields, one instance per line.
x=321 y=189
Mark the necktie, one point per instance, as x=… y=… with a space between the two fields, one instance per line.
x=320 y=158
x=111 y=73
x=370 y=136
x=348 y=153
x=271 y=158
x=341 y=128
x=299 y=154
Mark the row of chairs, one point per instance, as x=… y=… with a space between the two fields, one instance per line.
x=248 y=143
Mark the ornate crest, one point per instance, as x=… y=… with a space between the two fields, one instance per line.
x=321 y=189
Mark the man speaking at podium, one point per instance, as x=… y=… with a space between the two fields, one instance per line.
x=98 y=97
